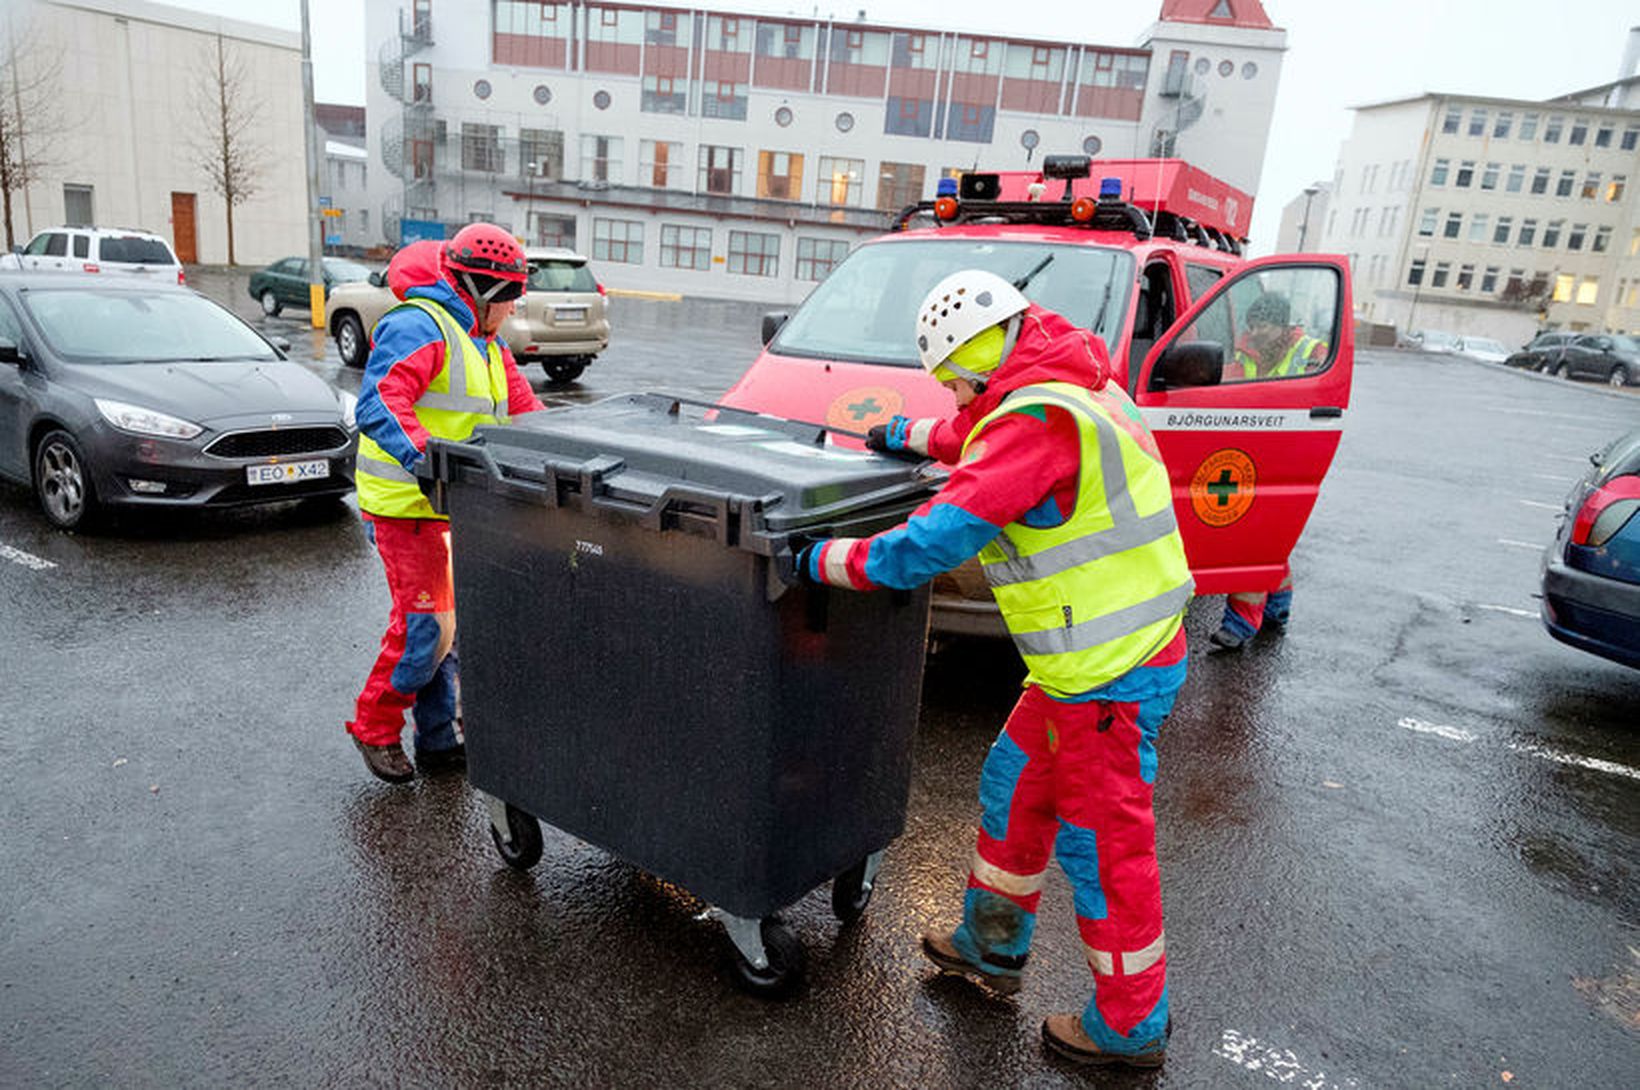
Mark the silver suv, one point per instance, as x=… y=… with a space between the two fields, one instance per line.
x=100 y=250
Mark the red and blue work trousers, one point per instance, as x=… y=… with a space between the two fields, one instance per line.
x=1075 y=779
x=416 y=667
x=1245 y=614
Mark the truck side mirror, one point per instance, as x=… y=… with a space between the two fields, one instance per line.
x=772 y=323
x=1188 y=363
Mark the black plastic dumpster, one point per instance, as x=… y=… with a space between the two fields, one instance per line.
x=640 y=669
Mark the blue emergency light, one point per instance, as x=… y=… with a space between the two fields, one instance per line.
x=947 y=187
x=1110 y=189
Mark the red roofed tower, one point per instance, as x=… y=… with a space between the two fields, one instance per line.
x=1243 y=13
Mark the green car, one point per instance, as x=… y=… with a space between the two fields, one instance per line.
x=285 y=282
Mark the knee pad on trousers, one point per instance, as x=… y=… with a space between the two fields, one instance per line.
x=417 y=665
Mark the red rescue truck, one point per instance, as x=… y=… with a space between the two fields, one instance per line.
x=1148 y=254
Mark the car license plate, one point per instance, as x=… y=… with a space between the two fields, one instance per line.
x=569 y=314
x=288 y=472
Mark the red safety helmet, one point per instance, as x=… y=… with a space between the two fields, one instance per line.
x=488 y=262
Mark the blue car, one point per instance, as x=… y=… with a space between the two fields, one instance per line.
x=1591 y=574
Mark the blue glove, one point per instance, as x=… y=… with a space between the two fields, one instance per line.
x=891 y=437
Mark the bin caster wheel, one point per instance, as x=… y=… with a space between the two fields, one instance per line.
x=521 y=849
x=850 y=893
x=784 y=971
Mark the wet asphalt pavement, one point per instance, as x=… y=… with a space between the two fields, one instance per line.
x=1400 y=845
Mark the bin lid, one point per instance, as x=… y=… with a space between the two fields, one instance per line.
x=639 y=447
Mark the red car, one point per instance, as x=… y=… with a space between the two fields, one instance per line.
x=1149 y=257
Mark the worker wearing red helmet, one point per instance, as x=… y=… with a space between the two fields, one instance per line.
x=1059 y=489
x=437 y=367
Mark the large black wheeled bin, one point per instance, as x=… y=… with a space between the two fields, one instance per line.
x=640 y=669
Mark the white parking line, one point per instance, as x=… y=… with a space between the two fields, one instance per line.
x=1553 y=477
x=1547 y=753
x=1545 y=506
x=1451 y=734
x=28 y=560
x=1506 y=609
x=1280 y=1064
x=1518 y=544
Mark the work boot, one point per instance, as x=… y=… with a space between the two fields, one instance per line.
x=387 y=762
x=942 y=952
x=1063 y=1034
x=1225 y=640
x=434 y=761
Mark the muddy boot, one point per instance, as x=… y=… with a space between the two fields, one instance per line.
x=1063 y=1034
x=1001 y=979
x=387 y=762
x=1225 y=640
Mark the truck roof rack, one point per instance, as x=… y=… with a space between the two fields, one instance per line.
x=1108 y=215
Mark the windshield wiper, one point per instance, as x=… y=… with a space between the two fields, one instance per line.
x=1028 y=277
x=1104 y=305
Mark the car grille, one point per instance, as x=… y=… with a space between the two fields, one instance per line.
x=276 y=441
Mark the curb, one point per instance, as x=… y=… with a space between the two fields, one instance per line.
x=633 y=293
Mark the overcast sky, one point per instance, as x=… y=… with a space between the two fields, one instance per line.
x=1338 y=54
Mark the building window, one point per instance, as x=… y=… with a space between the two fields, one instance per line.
x=1591 y=185
x=1427 y=221
x=77 y=206
x=1552 y=128
x=601 y=159
x=1454 y=224
x=550 y=230
x=1551 y=233
x=1478 y=224
x=1489 y=176
x=1501 y=127
x=661 y=95
x=1415 y=273
x=1528 y=232
x=1602 y=240
x=686 y=247
x=845 y=121
x=1517 y=178
x=840 y=181
x=780 y=175
x=1579 y=133
x=1466 y=277
x=816 y=257
x=753 y=253
x=1631 y=138
x=1443 y=269
x=1588 y=291
x=1563 y=287
x=1477 y=123
x=545 y=149
x=1528 y=126
x=725 y=100
x=1568 y=180
x=1500 y=235
x=1603 y=135
x=1540 y=182
x=1575 y=237
x=660 y=164
x=1438 y=173
x=1466 y=174
x=617 y=240
x=898 y=184
x=1489 y=280
x=720 y=169
x=1614 y=191
x=1454 y=118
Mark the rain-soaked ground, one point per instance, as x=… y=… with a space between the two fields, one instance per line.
x=1398 y=844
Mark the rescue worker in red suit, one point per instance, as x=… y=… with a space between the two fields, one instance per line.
x=437 y=367
x=1272 y=347
x=1059 y=489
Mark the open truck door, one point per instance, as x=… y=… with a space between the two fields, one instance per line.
x=1248 y=418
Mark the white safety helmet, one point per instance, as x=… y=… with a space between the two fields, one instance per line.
x=960 y=306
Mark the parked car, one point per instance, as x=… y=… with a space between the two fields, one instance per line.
x=1543 y=352
x=116 y=251
x=1482 y=348
x=1607 y=357
x=1431 y=340
x=120 y=393
x=1591 y=574
x=561 y=323
x=285 y=282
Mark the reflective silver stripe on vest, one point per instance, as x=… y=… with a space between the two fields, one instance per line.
x=1128 y=531
x=456 y=400
x=1134 y=962
x=1082 y=636
x=1018 y=885
x=388 y=469
x=457 y=403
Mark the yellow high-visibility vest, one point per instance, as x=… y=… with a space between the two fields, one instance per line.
x=459 y=399
x=1098 y=595
x=1290 y=364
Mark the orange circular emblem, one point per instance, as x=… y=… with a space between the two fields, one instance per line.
x=1222 y=489
x=860 y=408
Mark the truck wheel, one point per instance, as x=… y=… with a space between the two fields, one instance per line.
x=271 y=306
x=850 y=894
x=560 y=372
x=350 y=342
x=784 y=973
x=525 y=833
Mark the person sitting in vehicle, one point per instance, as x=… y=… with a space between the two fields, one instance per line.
x=1274 y=347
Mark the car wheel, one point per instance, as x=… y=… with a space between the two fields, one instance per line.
x=1563 y=370
x=62 y=481
x=1618 y=377
x=560 y=372
x=350 y=342
x=271 y=305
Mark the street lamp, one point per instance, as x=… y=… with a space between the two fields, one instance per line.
x=529 y=205
x=1423 y=256
x=1304 y=225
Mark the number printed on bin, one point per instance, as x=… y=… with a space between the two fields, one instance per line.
x=591 y=548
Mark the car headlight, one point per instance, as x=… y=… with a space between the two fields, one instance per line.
x=141 y=421
x=348 y=403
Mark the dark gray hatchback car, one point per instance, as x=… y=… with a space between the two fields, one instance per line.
x=138 y=395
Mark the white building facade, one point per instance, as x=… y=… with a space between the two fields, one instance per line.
x=718 y=153
x=1489 y=216
x=122 y=147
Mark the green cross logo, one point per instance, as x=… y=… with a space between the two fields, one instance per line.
x=862 y=409
x=1224 y=488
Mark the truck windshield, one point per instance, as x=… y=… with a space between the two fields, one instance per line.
x=866 y=309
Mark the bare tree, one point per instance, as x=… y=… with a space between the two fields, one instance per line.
x=225 y=145
x=30 y=118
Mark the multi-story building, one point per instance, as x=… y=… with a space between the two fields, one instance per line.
x=344 y=194
x=118 y=96
x=1494 y=216
x=1301 y=219
x=737 y=155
